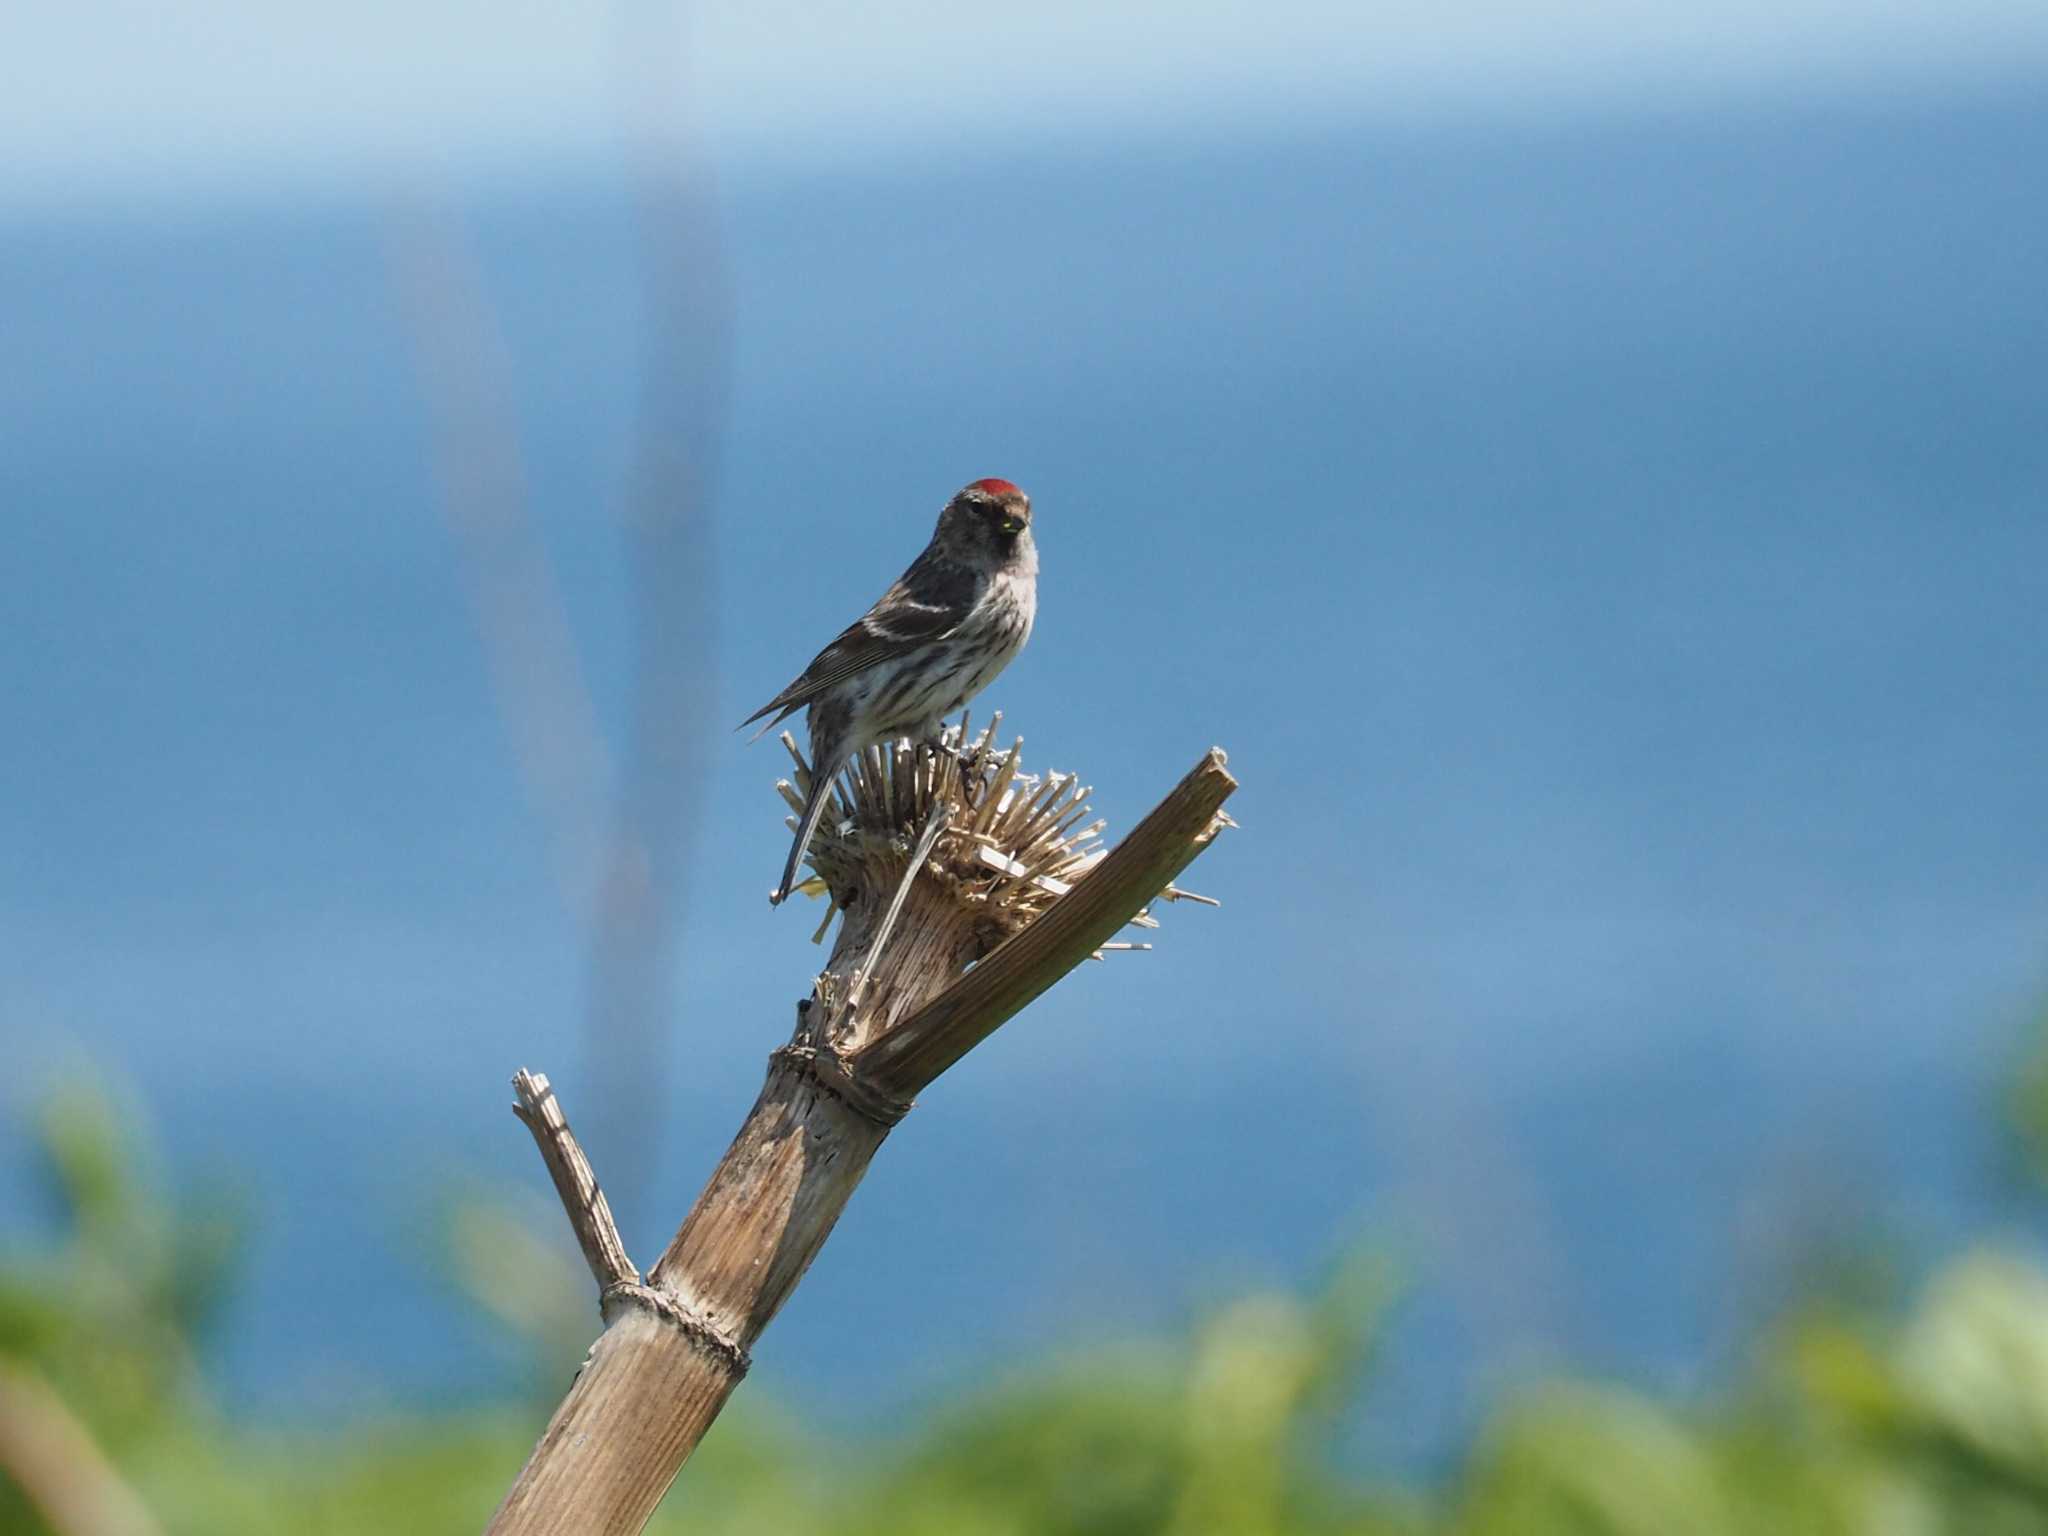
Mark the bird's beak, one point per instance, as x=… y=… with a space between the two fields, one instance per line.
x=1013 y=525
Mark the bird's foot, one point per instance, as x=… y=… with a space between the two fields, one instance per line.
x=936 y=744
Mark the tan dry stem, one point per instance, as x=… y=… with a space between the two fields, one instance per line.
x=1003 y=886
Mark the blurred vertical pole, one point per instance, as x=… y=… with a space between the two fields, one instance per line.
x=670 y=553
x=522 y=623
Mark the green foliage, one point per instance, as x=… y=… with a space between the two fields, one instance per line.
x=108 y=1315
x=1933 y=1426
x=1227 y=1431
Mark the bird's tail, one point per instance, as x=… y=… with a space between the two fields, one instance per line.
x=814 y=811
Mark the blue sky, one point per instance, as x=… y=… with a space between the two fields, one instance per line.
x=114 y=95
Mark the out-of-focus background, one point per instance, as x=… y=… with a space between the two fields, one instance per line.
x=1587 y=462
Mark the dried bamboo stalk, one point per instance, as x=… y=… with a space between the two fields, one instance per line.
x=676 y=1343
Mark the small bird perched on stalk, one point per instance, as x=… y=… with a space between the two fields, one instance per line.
x=931 y=642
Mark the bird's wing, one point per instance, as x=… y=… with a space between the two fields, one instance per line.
x=928 y=602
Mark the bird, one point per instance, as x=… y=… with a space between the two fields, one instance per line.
x=935 y=639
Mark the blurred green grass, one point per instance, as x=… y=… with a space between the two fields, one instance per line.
x=1854 y=1419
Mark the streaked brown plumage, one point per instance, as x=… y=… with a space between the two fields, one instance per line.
x=930 y=643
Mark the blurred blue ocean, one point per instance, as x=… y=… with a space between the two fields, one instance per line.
x=1614 y=556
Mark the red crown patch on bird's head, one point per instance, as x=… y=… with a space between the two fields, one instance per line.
x=995 y=487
